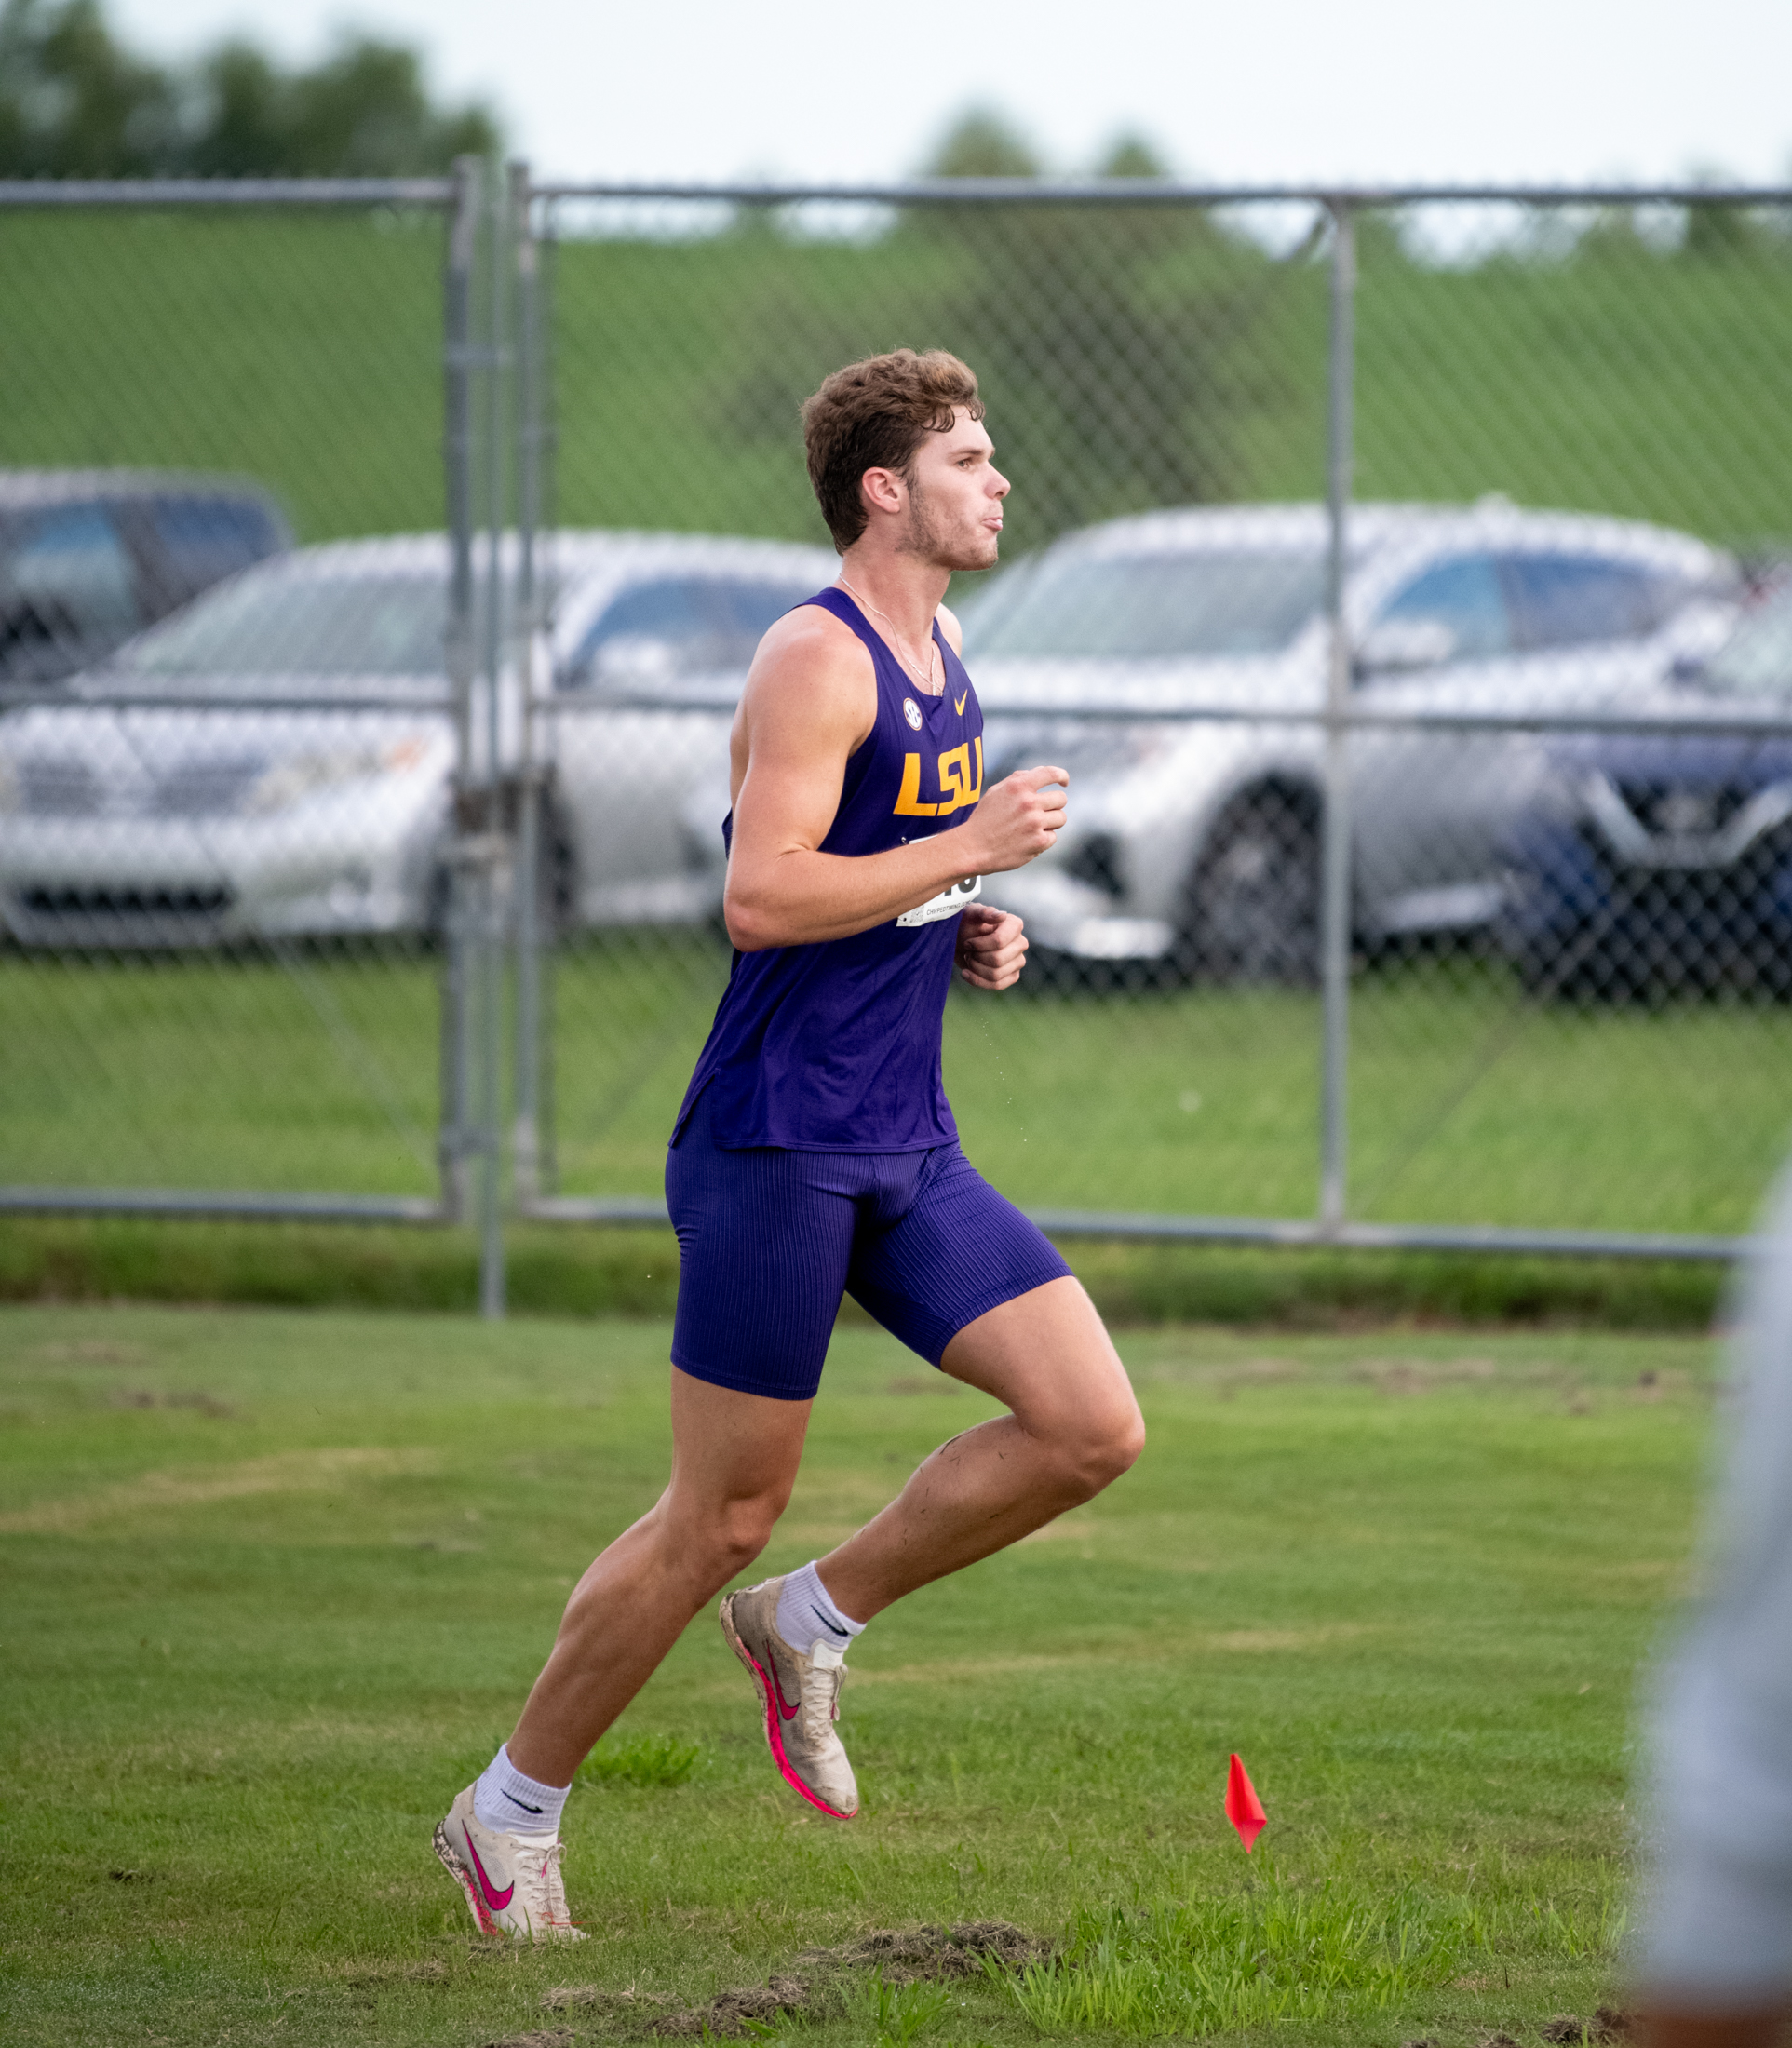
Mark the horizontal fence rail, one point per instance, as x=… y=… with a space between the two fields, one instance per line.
x=1738 y=723
x=226 y=192
x=1169 y=192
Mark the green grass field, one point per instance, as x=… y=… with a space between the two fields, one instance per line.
x=1467 y=1106
x=276 y=1583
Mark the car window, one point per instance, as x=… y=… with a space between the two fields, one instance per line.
x=680 y=625
x=204 y=540
x=1149 y=607
x=1462 y=597
x=276 y=625
x=1755 y=661
x=1570 y=601
x=66 y=586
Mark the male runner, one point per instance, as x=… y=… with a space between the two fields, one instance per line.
x=816 y=1152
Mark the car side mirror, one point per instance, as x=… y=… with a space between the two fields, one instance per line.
x=1397 y=645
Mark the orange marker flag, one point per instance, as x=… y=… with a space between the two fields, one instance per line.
x=1243 y=1809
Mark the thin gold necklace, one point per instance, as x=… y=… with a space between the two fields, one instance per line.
x=924 y=677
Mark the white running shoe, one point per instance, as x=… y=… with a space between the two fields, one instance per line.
x=801 y=1698
x=513 y=1886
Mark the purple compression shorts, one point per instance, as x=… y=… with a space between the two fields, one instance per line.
x=769 y=1240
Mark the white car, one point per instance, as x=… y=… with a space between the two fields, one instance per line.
x=1174 y=664
x=276 y=760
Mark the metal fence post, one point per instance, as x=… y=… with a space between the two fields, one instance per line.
x=1335 y=874
x=454 y=1137
x=493 y=849
x=533 y=871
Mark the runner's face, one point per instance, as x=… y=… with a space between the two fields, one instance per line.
x=956 y=494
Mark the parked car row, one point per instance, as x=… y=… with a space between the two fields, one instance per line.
x=275 y=756
x=1651 y=865
x=89 y=557
x=1195 y=839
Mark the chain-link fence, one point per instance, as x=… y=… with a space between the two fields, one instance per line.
x=1372 y=566
x=229 y=750
x=1399 y=577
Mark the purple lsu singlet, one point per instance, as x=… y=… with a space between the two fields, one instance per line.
x=835 y=1047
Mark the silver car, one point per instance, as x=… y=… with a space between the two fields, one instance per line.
x=276 y=759
x=1194 y=840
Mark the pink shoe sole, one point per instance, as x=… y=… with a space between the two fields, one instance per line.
x=457 y=1869
x=774 y=1733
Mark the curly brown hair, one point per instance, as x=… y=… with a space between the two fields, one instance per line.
x=871 y=415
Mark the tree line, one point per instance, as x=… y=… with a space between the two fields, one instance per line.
x=76 y=102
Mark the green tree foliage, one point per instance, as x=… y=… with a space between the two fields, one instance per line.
x=75 y=103
x=1131 y=156
x=981 y=143
x=1154 y=354
x=1129 y=355
x=72 y=102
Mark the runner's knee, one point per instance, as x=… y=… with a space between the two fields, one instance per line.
x=732 y=1533
x=1103 y=1446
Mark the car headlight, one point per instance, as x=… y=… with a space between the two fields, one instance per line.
x=300 y=777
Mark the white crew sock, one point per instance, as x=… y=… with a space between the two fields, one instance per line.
x=807 y=1615
x=506 y=1800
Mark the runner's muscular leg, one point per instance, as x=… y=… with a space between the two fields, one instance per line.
x=734 y=1459
x=1073 y=1427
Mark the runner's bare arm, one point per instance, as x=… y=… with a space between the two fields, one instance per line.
x=810 y=701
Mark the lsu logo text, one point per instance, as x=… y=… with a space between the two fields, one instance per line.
x=957 y=792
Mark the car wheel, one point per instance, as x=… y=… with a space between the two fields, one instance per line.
x=1252 y=912
x=557 y=878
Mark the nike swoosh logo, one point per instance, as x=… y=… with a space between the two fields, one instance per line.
x=516 y=1801
x=788 y=1712
x=494 y=1899
x=958 y=704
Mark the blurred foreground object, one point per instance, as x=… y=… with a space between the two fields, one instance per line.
x=1714 y=1954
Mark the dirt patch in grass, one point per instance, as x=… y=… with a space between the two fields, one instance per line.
x=432 y=1971
x=899 y=1956
x=284 y=1472
x=729 y=2013
x=1606 y=2025
x=90 y=1350
x=140 y=1398
x=938 y=1955
x=594 y=1999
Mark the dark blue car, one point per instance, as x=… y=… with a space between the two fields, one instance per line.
x=1661 y=864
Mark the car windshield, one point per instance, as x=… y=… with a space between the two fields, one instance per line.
x=1149 y=607
x=675 y=625
x=1756 y=659
x=301 y=625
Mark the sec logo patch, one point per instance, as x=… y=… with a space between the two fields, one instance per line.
x=911 y=711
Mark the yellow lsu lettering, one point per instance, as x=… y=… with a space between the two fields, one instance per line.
x=957 y=790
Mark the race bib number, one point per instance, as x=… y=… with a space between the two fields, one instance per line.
x=948 y=903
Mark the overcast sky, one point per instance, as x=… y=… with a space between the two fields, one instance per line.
x=1444 y=90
